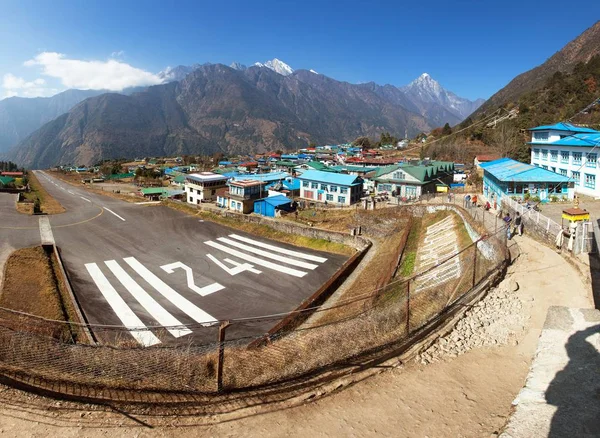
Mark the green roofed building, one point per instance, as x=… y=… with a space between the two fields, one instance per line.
x=413 y=180
x=5 y=180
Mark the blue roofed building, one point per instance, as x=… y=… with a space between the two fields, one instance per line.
x=570 y=151
x=507 y=177
x=331 y=188
x=272 y=206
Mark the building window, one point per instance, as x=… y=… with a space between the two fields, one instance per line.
x=384 y=188
x=343 y=190
x=554 y=156
x=305 y=184
x=553 y=169
x=544 y=154
x=329 y=197
x=536 y=153
x=577 y=157
x=333 y=188
x=564 y=157
x=576 y=176
x=590 y=160
x=540 y=136
x=544 y=167
x=190 y=200
x=342 y=199
x=314 y=185
x=590 y=181
x=398 y=175
x=563 y=172
x=324 y=187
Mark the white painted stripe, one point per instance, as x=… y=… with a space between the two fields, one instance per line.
x=182 y=303
x=70 y=192
x=46 y=231
x=85 y=199
x=110 y=211
x=123 y=311
x=300 y=255
x=155 y=310
x=256 y=260
x=267 y=254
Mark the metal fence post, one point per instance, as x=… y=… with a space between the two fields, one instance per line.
x=222 y=327
x=474 y=263
x=408 y=307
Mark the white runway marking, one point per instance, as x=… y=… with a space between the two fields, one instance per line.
x=85 y=199
x=69 y=191
x=256 y=260
x=122 y=310
x=300 y=255
x=185 y=305
x=238 y=267
x=110 y=211
x=46 y=231
x=202 y=291
x=267 y=254
x=155 y=310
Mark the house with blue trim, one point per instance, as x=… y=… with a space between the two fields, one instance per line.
x=331 y=188
x=272 y=206
x=413 y=180
x=570 y=151
x=507 y=177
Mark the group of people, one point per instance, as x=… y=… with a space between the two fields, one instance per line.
x=513 y=228
x=471 y=201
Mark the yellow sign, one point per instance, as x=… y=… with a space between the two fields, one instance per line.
x=441 y=189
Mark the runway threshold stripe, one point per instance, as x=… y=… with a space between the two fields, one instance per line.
x=256 y=260
x=267 y=254
x=85 y=199
x=110 y=211
x=182 y=303
x=155 y=310
x=300 y=255
x=123 y=311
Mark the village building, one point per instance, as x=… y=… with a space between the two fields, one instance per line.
x=240 y=195
x=507 y=177
x=203 y=186
x=272 y=206
x=411 y=181
x=569 y=151
x=331 y=188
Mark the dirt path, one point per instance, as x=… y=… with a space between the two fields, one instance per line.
x=468 y=395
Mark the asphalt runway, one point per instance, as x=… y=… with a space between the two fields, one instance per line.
x=150 y=266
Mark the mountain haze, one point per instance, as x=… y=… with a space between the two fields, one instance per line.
x=217 y=108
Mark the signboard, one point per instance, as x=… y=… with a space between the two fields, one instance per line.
x=441 y=189
x=457 y=185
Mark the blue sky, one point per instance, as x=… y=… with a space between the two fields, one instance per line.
x=473 y=48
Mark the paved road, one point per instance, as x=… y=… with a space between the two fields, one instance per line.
x=151 y=266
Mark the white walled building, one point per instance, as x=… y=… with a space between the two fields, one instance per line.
x=331 y=188
x=203 y=186
x=570 y=151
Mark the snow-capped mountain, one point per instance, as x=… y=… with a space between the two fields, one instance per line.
x=238 y=66
x=174 y=74
x=437 y=103
x=277 y=66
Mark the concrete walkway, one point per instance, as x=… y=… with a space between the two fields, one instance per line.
x=562 y=394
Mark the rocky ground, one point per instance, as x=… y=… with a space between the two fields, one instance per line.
x=498 y=319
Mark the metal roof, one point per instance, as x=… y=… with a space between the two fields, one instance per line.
x=276 y=201
x=206 y=176
x=507 y=169
x=266 y=177
x=585 y=140
x=561 y=126
x=332 y=178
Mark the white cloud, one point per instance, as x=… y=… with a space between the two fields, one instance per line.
x=111 y=75
x=118 y=54
x=16 y=86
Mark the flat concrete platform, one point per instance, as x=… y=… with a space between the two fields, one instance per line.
x=155 y=269
x=561 y=397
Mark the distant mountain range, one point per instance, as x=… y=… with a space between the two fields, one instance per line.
x=236 y=109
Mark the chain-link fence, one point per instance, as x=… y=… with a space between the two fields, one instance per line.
x=41 y=353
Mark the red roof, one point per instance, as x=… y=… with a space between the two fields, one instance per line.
x=486 y=158
x=249 y=164
x=12 y=173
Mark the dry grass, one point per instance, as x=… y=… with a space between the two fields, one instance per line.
x=25 y=207
x=265 y=231
x=30 y=284
x=48 y=204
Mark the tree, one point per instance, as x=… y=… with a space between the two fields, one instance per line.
x=505 y=138
x=446 y=130
x=362 y=142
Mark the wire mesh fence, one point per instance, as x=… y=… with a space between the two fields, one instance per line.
x=43 y=353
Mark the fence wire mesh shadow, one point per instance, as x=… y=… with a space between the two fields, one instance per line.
x=44 y=354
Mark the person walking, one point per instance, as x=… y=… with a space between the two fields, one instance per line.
x=467 y=201
x=519 y=224
x=474 y=200
x=507 y=220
